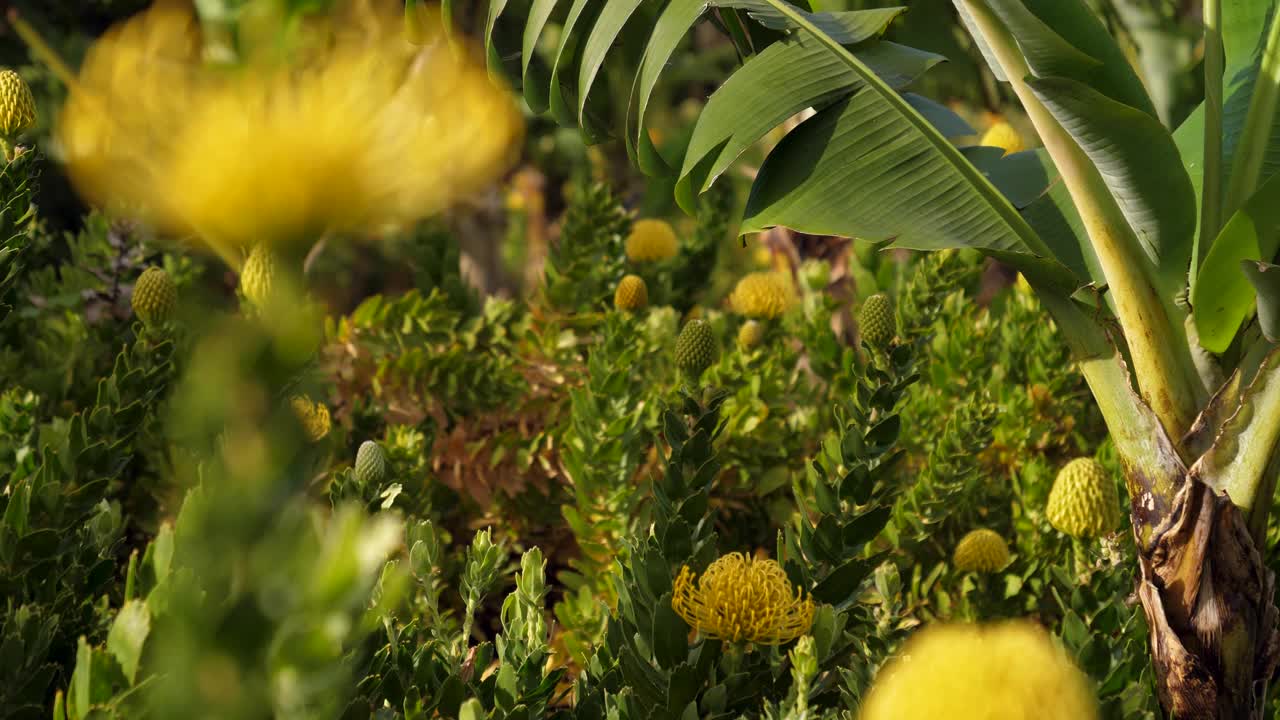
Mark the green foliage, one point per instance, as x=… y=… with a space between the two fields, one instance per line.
x=587 y=262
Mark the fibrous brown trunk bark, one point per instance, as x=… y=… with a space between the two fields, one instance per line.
x=1209 y=604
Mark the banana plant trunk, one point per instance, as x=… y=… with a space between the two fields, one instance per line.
x=1208 y=599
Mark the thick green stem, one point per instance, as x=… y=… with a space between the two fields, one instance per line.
x=1161 y=358
x=1211 y=201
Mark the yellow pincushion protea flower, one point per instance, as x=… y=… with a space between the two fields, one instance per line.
x=1002 y=135
x=313 y=416
x=17 y=106
x=1010 y=670
x=349 y=128
x=981 y=551
x=743 y=599
x=651 y=241
x=761 y=295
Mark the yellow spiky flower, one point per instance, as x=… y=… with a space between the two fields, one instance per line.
x=632 y=294
x=743 y=599
x=17 y=106
x=1084 y=502
x=346 y=128
x=1010 y=670
x=1002 y=135
x=761 y=295
x=651 y=240
x=313 y=416
x=982 y=551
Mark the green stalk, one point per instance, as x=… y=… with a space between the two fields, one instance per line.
x=1211 y=200
x=1166 y=374
x=1246 y=166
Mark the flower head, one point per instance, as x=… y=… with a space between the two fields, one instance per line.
x=981 y=551
x=349 y=128
x=257 y=275
x=313 y=416
x=17 y=106
x=695 y=347
x=371 y=463
x=743 y=599
x=631 y=295
x=750 y=334
x=876 y=320
x=974 y=672
x=154 y=296
x=761 y=295
x=1083 y=502
x=1002 y=135
x=650 y=241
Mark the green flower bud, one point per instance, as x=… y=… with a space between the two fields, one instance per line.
x=876 y=320
x=695 y=348
x=154 y=296
x=371 y=463
x=1084 y=502
x=981 y=551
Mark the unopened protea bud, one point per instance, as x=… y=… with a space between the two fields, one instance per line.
x=314 y=417
x=876 y=320
x=695 y=348
x=371 y=463
x=257 y=276
x=981 y=551
x=750 y=334
x=17 y=106
x=650 y=241
x=154 y=296
x=1083 y=502
x=632 y=294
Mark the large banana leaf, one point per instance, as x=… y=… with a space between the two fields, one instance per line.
x=1083 y=79
x=883 y=145
x=785 y=78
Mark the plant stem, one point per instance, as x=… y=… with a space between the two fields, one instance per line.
x=1166 y=375
x=1211 y=200
x=1246 y=164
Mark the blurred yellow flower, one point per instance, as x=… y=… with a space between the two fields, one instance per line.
x=1009 y=670
x=762 y=295
x=1002 y=135
x=743 y=599
x=349 y=128
x=651 y=240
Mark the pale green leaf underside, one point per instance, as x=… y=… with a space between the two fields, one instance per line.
x=1064 y=38
x=1223 y=298
x=1140 y=165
